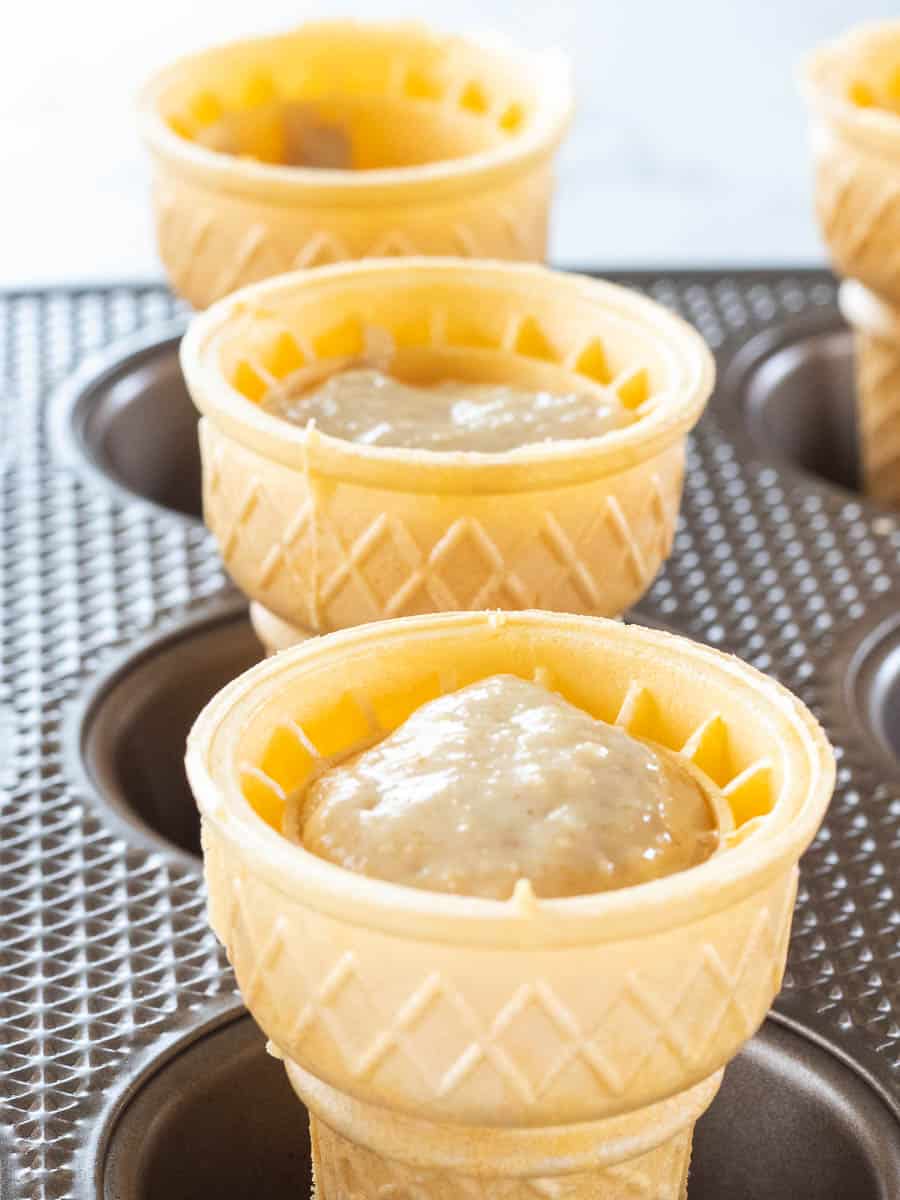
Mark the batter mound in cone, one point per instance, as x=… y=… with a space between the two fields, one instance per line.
x=366 y=406
x=504 y=780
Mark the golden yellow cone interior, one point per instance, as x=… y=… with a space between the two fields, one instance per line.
x=410 y=142
x=404 y=95
x=683 y=968
x=333 y=695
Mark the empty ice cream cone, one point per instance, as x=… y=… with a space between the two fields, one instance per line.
x=520 y=1047
x=877 y=327
x=343 y=140
x=852 y=88
x=325 y=533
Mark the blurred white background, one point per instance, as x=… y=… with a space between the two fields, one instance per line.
x=689 y=145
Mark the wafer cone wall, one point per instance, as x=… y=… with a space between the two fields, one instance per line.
x=491 y=1021
x=453 y=139
x=878 y=389
x=325 y=534
x=877 y=327
x=852 y=87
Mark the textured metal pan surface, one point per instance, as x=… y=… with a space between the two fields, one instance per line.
x=105 y=953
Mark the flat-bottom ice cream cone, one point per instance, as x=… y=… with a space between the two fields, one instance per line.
x=368 y=1153
x=877 y=327
x=326 y=533
x=526 y=1046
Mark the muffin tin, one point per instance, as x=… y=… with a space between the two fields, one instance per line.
x=127 y=1066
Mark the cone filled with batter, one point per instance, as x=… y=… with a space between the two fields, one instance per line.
x=522 y=1044
x=324 y=532
x=343 y=140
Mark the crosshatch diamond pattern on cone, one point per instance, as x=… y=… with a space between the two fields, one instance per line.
x=452 y=143
x=324 y=533
x=481 y=1058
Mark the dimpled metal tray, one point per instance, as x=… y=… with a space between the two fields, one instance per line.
x=127 y=1066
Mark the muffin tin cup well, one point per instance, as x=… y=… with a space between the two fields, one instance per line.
x=125 y=418
x=328 y=533
x=793 y=390
x=864 y=682
x=127 y=735
x=107 y=958
x=847 y=85
x=216 y=1116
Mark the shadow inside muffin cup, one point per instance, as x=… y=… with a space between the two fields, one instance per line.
x=795 y=392
x=130 y=731
x=126 y=419
x=865 y=682
x=220 y=1119
x=344 y=140
x=362 y=96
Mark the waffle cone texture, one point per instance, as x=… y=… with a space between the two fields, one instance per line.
x=877 y=328
x=273 y=633
x=325 y=534
x=474 y=1028
x=852 y=89
x=453 y=140
x=369 y=1153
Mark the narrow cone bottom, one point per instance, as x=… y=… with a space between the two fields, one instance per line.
x=366 y=1152
x=878 y=388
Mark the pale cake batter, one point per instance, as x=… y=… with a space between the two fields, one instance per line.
x=505 y=780
x=367 y=406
